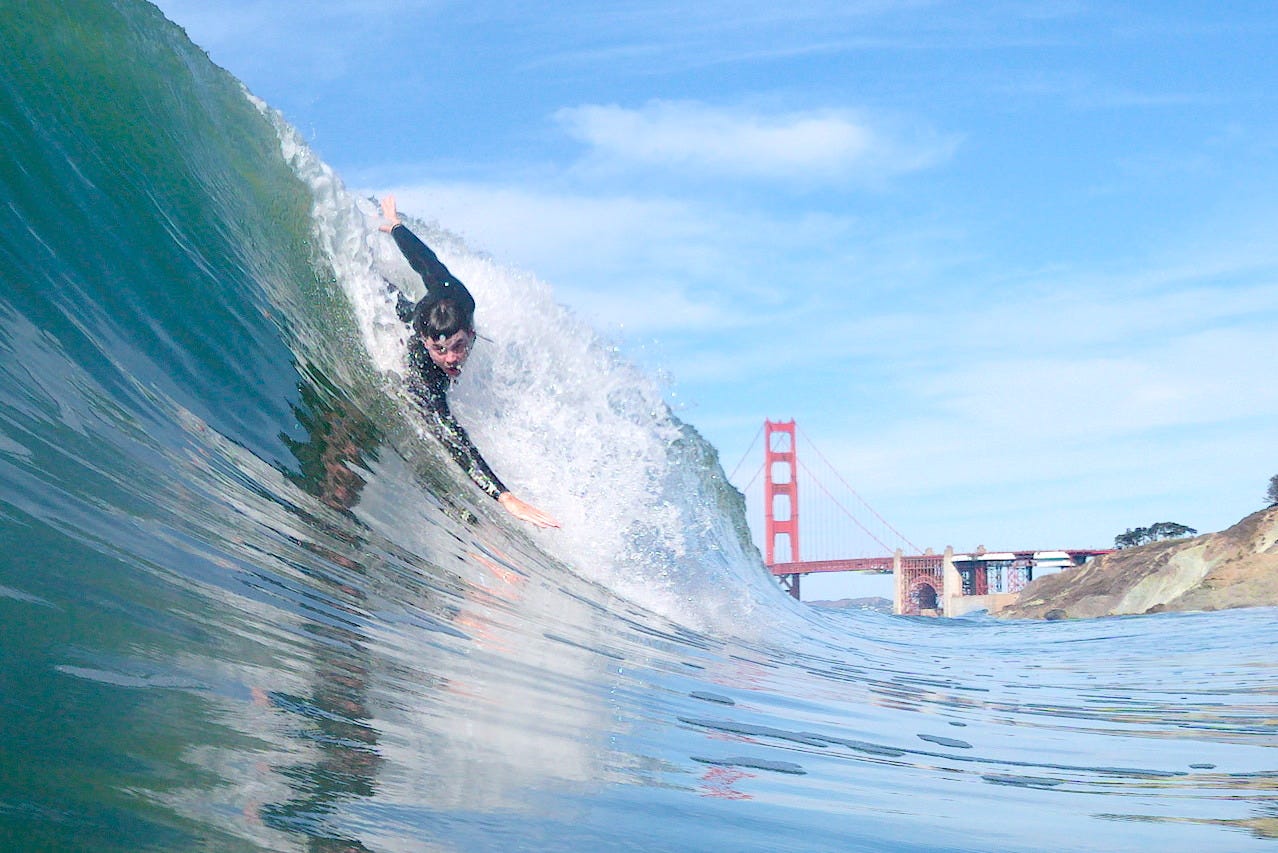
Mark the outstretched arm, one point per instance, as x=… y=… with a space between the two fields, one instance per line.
x=403 y=305
x=440 y=283
x=444 y=426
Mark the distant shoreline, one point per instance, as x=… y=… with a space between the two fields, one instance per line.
x=876 y=603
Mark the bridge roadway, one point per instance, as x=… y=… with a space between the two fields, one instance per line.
x=1076 y=556
x=934 y=570
x=861 y=564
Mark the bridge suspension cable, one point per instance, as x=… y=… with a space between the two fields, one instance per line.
x=745 y=456
x=746 y=489
x=868 y=532
x=856 y=495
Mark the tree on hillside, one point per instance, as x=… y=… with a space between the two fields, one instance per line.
x=1130 y=539
x=1153 y=533
x=1170 y=530
x=1272 y=494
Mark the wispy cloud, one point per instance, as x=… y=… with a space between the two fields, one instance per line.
x=807 y=146
x=625 y=262
x=649 y=264
x=1199 y=378
x=1108 y=394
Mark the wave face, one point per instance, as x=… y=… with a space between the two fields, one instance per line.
x=246 y=605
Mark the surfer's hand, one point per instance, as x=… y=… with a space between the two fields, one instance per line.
x=526 y=511
x=389 y=213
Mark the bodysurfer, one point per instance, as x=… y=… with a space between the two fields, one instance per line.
x=443 y=324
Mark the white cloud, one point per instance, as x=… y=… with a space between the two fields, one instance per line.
x=1190 y=380
x=691 y=137
x=544 y=229
x=643 y=265
x=624 y=262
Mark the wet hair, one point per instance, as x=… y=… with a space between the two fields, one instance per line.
x=443 y=319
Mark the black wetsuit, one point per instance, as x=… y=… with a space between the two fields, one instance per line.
x=427 y=383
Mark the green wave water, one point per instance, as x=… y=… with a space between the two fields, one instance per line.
x=246 y=605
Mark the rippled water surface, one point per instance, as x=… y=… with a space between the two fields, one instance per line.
x=246 y=605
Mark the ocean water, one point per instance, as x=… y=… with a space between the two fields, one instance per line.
x=246 y=605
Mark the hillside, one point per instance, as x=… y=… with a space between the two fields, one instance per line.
x=1237 y=567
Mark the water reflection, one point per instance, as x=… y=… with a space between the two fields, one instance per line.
x=445 y=668
x=332 y=715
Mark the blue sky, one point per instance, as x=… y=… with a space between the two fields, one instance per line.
x=1011 y=265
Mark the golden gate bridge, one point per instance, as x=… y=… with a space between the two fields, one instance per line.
x=847 y=534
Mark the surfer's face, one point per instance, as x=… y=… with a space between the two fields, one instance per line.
x=449 y=354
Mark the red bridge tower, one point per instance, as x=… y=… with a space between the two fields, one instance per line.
x=781 y=481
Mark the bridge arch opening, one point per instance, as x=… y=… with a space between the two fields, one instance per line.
x=925 y=596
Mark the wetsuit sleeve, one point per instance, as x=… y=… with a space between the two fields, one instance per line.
x=442 y=424
x=440 y=283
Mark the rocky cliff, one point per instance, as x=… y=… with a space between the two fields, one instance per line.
x=1237 y=567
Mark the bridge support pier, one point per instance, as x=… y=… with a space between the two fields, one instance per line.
x=898 y=584
x=790 y=583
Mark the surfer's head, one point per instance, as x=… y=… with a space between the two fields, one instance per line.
x=447 y=331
